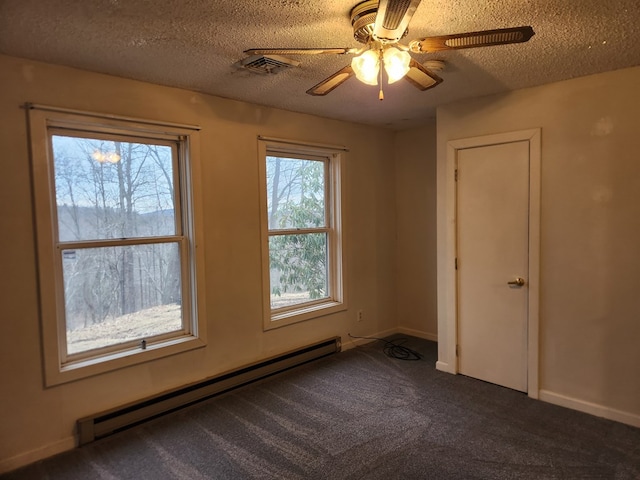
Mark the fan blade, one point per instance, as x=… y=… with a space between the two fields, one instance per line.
x=420 y=77
x=485 y=38
x=335 y=80
x=299 y=51
x=393 y=18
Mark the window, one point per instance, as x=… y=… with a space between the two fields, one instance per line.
x=116 y=245
x=302 y=236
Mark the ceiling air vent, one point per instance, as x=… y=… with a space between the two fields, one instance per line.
x=266 y=64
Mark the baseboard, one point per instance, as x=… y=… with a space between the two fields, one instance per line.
x=23 y=459
x=418 y=333
x=443 y=367
x=590 y=408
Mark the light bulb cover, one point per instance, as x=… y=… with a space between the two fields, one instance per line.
x=396 y=63
x=366 y=67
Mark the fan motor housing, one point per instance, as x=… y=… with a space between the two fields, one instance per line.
x=363 y=17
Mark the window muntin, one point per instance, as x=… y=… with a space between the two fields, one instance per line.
x=117 y=251
x=301 y=233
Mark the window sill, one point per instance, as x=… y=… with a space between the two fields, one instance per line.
x=306 y=312
x=88 y=367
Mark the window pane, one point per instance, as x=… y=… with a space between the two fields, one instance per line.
x=112 y=189
x=298 y=268
x=118 y=294
x=295 y=193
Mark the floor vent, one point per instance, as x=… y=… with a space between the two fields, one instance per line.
x=126 y=416
x=266 y=64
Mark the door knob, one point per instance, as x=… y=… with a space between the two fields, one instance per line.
x=518 y=282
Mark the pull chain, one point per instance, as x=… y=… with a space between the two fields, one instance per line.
x=381 y=93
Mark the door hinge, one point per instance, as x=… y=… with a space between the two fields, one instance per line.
x=456 y=263
x=457 y=350
x=455 y=175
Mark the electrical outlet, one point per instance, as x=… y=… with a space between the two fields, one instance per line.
x=359 y=315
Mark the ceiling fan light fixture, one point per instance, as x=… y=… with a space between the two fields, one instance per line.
x=396 y=63
x=366 y=67
x=380 y=25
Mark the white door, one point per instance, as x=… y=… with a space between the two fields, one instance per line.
x=492 y=258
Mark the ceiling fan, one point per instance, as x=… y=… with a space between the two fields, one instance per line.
x=380 y=25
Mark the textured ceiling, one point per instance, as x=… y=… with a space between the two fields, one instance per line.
x=194 y=45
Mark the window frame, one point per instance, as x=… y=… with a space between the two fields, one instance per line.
x=336 y=300
x=44 y=123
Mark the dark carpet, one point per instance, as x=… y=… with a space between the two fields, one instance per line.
x=361 y=415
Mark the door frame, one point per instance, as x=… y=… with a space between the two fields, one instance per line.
x=447 y=251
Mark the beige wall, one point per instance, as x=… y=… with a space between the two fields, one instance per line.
x=590 y=230
x=416 y=232
x=34 y=421
x=590 y=207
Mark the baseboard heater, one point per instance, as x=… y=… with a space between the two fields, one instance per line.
x=123 y=417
